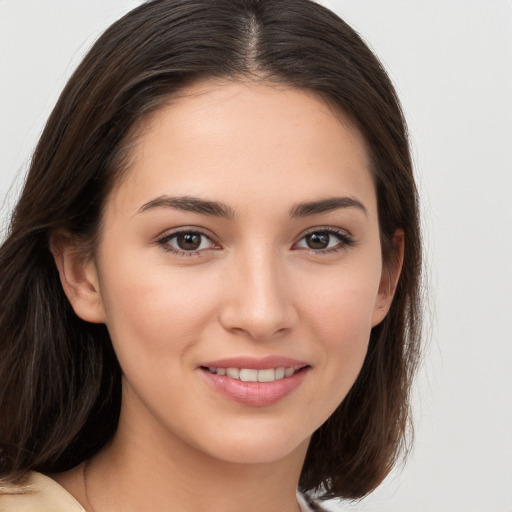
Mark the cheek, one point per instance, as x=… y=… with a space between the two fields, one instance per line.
x=343 y=302
x=156 y=313
x=340 y=319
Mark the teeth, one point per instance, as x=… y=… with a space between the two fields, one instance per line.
x=249 y=375
x=266 y=375
x=252 y=375
x=234 y=373
x=280 y=373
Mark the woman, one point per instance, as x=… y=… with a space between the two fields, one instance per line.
x=209 y=291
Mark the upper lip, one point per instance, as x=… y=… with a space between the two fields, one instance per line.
x=256 y=363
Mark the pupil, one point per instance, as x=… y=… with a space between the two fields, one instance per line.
x=317 y=240
x=189 y=241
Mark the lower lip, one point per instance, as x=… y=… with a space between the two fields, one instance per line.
x=256 y=394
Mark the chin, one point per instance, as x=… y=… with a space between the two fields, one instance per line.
x=258 y=448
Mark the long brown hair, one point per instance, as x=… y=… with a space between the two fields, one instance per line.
x=60 y=390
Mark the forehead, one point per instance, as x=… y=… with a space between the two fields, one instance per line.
x=229 y=139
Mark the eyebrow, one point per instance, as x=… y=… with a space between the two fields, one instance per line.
x=190 y=204
x=326 y=205
x=216 y=209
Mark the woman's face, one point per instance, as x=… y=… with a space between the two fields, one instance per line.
x=244 y=237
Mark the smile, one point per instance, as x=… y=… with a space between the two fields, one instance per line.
x=253 y=375
x=255 y=387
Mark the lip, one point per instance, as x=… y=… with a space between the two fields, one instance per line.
x=256 y=363
x=255 y=394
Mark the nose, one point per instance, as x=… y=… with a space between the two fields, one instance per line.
x=258 y=300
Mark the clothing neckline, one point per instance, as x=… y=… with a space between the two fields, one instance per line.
x=49 y=496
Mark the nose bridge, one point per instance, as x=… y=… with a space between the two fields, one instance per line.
x=259 y=299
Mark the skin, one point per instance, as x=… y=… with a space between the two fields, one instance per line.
x=254 y=288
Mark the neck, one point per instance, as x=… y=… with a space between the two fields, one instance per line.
x=146 y=469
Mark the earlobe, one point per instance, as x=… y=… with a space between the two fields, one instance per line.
x=389 y=279
x=78 y=276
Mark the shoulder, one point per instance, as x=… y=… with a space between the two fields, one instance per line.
x=38 y=493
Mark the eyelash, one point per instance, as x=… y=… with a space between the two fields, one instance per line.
x=164 y=242
x=344 y=241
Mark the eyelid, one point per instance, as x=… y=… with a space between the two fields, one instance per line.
x=163 y=239
x=345 y=239
x=329 y=229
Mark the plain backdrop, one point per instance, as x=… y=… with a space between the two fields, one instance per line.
x=451 y=62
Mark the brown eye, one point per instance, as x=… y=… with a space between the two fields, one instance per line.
x=317 y=240
x=188 y=241
x=324 y=240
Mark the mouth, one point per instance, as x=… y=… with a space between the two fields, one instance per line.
x=255 y=375
x=255 y=387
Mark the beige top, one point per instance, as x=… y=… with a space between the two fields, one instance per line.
x=42 y=494
x=39 y=494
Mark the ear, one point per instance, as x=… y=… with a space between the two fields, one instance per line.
x=389 y=279
x=78 y=276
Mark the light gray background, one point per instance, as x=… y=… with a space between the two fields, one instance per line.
x=451 y=61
